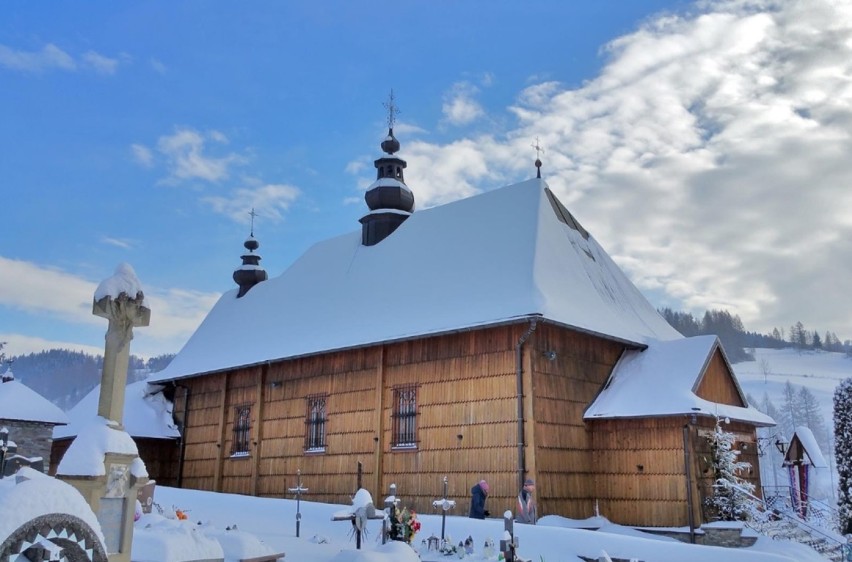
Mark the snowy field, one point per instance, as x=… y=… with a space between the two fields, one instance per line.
x=552 y=540
x=819 y=371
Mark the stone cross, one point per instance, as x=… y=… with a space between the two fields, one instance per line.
x=298 y=490
x=124 y=313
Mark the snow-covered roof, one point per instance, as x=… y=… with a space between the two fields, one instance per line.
x=811 y=448
x=21 y=403
x=85 y=455
x=501 y=256
x=661 y=381
x=147 y=413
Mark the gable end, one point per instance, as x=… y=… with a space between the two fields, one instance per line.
x=717 y=383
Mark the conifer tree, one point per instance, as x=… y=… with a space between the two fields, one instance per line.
x=789 y=416
x=811 y=417
x=731 y=494
x=843 y=452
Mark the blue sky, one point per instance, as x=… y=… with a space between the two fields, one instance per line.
x=705 y=146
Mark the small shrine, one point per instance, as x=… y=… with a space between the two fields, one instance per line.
x=803 y=455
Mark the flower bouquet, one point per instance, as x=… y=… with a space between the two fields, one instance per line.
x=403 y=525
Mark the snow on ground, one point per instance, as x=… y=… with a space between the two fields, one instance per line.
x=555 y=539
x=820 y=371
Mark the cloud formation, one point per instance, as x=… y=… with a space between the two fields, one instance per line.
x=185 y=151
x=68 y=298
x=49 y=57
x=460 y=106
x=710 y=158
x=99 y=63
x=269 y=200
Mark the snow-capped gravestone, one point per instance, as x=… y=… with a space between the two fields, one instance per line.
x=102 y=462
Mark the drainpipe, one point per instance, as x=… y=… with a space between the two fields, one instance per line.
x=519 y=369
x=686 y=465
x=182 y=427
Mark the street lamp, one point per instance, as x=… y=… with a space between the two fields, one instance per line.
x=781 y=446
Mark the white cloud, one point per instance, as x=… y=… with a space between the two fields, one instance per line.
x=357 y=166
x=122 y=243
x=19 y=344
x=158 y=66
x=710 y=157
x=270 y=201
x=67 y=298
x=49 y=57
x=185 y=152
x=99 y=63
x=46 y=290
x=142 y=155
x=402 y=128
x=460 y=107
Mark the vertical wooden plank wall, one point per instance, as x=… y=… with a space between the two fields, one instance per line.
x=717 y=384
x=745 y=442
x=562 y=388
x=467 y=418
x=201 y=455
x=641 y=471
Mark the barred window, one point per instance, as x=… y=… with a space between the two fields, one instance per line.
x=405 y=416
x=242 y=431
x=315 y=423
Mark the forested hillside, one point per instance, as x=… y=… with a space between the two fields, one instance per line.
x=738 y=342
x=64 y=377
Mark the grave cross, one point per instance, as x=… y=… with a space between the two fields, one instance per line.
x=298 y=490
x=509 y=544
x=445 y=505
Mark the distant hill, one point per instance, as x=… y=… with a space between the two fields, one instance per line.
x=795 y=387
x=740 y=343
x=64 y=377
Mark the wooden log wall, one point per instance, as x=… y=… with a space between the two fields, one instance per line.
x=561 y=390
x=466 y=422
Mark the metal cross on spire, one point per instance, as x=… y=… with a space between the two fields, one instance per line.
x=253 y=214
x=393 y=109
x=539 y=150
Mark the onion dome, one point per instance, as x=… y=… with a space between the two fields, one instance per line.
x=389 y=199
x=250 y=273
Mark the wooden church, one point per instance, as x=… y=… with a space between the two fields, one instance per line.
x=488 y=338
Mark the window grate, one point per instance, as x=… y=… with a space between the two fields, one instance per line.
x=315 y=422
x=242 y=430
x=404 y=416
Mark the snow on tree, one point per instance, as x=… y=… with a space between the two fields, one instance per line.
x=810 y=414
x=843 y=451
x=789 y=417
x=732 y=495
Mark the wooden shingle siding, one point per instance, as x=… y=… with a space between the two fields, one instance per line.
x=466 y=427
x=563 y=388
x=717 y=385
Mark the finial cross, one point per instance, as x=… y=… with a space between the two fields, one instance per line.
x=393 y=109
x=253 y=214
x=539 y=150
